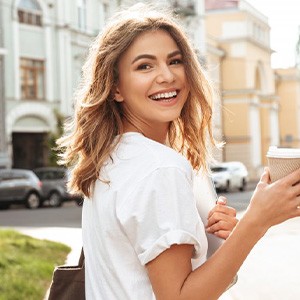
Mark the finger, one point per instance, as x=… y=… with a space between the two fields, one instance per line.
x=221 y=225
x=227 y=210
x=296 y=189
x=297 y=202
x=219 y=217
x=293 y=178
x=226 y=214
x=265 y=177
x=296 y=212
x=223 y=234
x=222 y=208
x=222 y=200
x=225 y=223
x=224 y=227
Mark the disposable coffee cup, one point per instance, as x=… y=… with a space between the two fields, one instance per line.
x=282 y=161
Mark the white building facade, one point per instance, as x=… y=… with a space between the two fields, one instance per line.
x=4 y=158
x=46 y=43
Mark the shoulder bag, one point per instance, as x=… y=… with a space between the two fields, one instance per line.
x=68 y=282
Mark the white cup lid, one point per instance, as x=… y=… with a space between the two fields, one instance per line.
x=283 y=152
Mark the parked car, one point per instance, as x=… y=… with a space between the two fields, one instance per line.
x=19 y=186
x=230 y=175
x=54 y=188
x=221 y=178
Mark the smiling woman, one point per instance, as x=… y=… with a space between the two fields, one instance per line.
x=152 y=87
x=142 y=125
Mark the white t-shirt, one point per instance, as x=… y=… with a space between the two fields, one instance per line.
x=147 y=207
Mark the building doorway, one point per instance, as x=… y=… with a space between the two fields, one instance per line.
x=29 y=150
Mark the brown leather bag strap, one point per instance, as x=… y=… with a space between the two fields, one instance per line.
x=81 y=259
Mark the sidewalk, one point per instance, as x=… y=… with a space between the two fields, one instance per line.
x=271 y=271
x=68 y=236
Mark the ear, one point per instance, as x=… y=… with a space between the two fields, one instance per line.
x=118 y=97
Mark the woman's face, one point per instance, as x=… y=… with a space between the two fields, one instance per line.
x=152 y=85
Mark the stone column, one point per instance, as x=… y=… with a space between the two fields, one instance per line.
x=255 y=134
x=274 y=125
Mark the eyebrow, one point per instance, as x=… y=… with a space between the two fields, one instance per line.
x=149 y=56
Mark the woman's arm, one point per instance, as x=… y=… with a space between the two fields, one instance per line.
x=171 y=272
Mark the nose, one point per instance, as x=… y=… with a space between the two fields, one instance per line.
x=165 y=74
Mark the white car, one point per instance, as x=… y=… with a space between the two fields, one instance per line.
x=230 y=175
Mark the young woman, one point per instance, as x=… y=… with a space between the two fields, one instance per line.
x=141 y=126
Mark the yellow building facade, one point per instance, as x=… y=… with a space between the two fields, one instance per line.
x=238 y=44
x=288 y=91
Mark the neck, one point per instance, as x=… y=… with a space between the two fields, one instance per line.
x=158 y=133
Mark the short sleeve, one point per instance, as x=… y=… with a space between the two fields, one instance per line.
x=161 y=212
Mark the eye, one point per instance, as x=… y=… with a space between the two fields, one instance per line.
x=176 y=61
x=143 y=67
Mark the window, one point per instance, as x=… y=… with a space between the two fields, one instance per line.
x=81 y=9
x=30 y=12
x=260 y=34
x=32 y=79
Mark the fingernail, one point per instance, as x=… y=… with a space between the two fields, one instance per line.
x=221 y=200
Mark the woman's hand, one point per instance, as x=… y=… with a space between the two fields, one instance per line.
x=221 y=219
x=273 y=203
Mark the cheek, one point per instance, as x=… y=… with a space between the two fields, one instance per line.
x=184 y=77
x=141 y=85
x=134 y=81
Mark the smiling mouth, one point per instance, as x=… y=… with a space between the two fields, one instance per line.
x=164 y=96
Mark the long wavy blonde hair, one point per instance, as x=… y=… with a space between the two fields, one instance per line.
x=91 y=135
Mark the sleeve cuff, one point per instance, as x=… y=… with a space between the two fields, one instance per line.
x=166 y=241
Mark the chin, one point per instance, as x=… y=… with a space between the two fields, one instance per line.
x=173 y=117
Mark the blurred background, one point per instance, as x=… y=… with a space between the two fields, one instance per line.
x=43 y=45
x=251 y=50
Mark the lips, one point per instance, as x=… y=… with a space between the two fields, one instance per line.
x=164 y=96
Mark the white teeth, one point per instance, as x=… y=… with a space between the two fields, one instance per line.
x=164 y=95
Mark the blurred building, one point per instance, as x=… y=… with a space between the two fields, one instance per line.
x=4 y=158
x=238 y=38
x=288 y=91
x=46 y=43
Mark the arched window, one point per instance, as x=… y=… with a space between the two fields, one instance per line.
x=30 y=12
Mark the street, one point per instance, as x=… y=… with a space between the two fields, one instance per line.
x=69 y=215
x=63 y=223
x=239 y=200
x=269 y=272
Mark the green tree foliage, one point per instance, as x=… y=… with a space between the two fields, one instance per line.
x=52 y=138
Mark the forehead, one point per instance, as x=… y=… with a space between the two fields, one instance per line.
x=152 y=41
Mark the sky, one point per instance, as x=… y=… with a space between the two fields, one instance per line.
x=284 y=20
